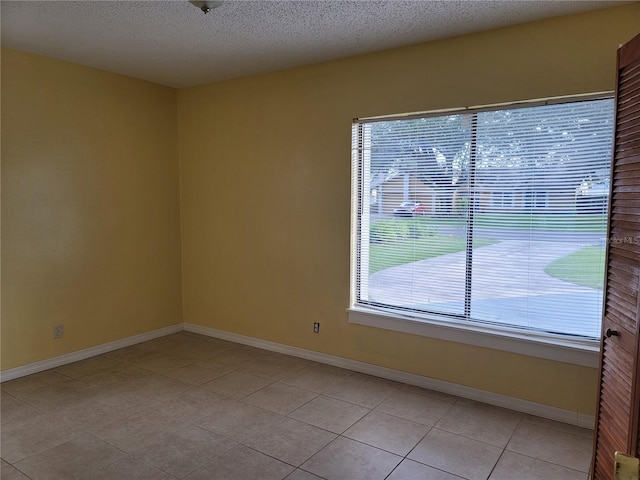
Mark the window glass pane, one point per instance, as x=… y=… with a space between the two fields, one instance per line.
x=415 y=168
x=495 y=217
x=542 y=183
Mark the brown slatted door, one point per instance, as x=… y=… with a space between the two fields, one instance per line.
x=617 y=415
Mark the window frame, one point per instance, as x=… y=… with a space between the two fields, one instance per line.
x=573 y=350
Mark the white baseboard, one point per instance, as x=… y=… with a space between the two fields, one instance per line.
x=504 y=401
x=58 y=361
x=524 y=406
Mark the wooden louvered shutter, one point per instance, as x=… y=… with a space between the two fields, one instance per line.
x=617 y=425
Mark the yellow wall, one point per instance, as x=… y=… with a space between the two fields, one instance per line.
x=265 y=179
x=90 y=207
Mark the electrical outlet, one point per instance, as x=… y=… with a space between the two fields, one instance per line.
x=58 y=331
x=316 y=327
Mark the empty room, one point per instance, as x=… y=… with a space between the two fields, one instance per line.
x=330 y=239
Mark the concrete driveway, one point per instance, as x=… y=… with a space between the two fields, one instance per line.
x=504 y=277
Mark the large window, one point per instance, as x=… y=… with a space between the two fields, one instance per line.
x=491 y=217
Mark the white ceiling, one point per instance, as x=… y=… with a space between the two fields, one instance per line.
x=175 y=44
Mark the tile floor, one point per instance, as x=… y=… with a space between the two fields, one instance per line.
x=194 y=407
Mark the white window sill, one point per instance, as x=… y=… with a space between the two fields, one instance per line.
x=577 y=352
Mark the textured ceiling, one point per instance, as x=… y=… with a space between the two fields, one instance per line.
x=173 y=43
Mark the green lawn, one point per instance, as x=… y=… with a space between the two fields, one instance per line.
x=385 y=255
x=584 y=267
x=559 y=222
x=555 y=222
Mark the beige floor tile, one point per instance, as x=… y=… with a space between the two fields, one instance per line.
x=388 y=432
x=39 y=433
x=215 y=353
x=410 y=470
x=363 y=390
x=61 y=395
x=75 y=459
x=344 y=458
x=238 y=420
x=455 y=454
x=150 y=389
x=563 y=427
x=181 y=345
x=219 y=344
x=242 y=463
x=10 y=473
x=137 y=430
x=199 y=373
x=242 y=358
x=317 y=377
x=90 y=366
x=237 y=384
x=190 y=406
x=280 y=398
x=99 y=410
x=329 y=413
x=129 y=468
x=14 y=410
x=200 y=351
x=275 y=366
x=513 y=465
x=553 y=446
x=481 y=422
x=302 y=475
x=182 y=451
x=32 y=384
x=114 y=375
x=415 y=407
x=291 y=441
x=160 y=362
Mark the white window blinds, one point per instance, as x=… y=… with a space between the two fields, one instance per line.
x=497 y=217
